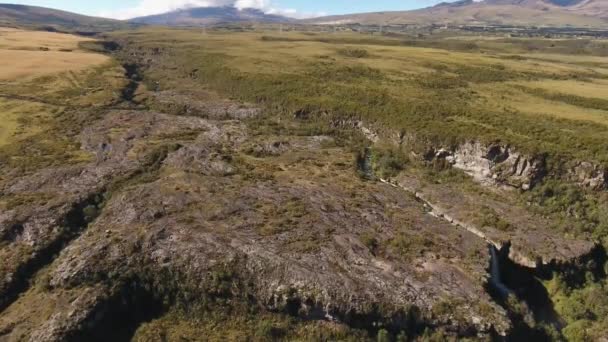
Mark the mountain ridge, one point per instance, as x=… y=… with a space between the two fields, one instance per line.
x=581 y=13
x=35 y=17
x=555 y=13
x=198 y=16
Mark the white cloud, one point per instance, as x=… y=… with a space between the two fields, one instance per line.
x=150 y=7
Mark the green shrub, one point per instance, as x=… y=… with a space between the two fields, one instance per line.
x=489 y=218
x=439 y=80
x=90 y=212
x=577 y=331
x=383 y=336
x=402 y=337
x=353 y=53
x=266 y=329
x=345 y=73
x=409 y=246
x=369 y=240
x=387 y=163
x=575 y=100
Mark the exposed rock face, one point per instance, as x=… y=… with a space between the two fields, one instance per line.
x=590 y=176
x=489 y=164
x=495 y=164
x=369 y=132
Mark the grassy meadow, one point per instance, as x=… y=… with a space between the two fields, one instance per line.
x=31 y=61
x=49 y=89
x=27 y=54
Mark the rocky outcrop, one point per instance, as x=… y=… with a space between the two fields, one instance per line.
x=186 y=205
x=500 y=165
x=367 y=130
x=494 y=164
x=589 y=175
x=62 y=201
x=488 y=164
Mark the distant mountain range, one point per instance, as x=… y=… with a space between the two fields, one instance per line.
x=50 y=19
x=581 y=13
x=209 y=16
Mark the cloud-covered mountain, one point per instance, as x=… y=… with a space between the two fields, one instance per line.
x=147 y=8
x=210 y=15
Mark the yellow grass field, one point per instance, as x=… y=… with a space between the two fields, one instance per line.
x=37 y=65
x=23 y=56
x=595 y=88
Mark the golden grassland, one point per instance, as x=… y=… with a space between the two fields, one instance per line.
x=26 y=54
x=37 y=70
x=11 y=38
x=25 y=64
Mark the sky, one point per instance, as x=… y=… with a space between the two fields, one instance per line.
x=124 y=9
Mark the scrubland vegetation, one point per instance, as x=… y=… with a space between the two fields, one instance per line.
x=530 y=94
x=43 y=133
x=538 y=96
x=440 y=94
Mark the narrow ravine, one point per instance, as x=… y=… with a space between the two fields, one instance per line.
x=438 y=213
x=119 y=317
x=132 y=74
x=508 y=280
x=74 y=222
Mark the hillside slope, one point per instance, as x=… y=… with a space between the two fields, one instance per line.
x=586 y=13
x=41 y=17
x=209 y=16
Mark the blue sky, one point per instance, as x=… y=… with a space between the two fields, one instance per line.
x=128 y=8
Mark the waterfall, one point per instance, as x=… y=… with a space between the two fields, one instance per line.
x=495 y=278
x=364 y=163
